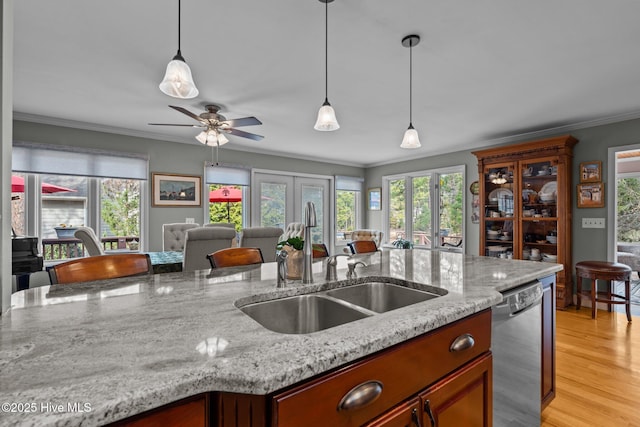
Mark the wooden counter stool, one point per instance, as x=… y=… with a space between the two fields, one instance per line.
x=608 y=271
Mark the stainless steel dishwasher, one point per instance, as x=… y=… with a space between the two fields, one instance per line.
x=516 y=347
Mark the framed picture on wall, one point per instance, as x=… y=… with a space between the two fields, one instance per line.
x=374 y=198
x=591 y=171
x=176 y=190
x=591 y=195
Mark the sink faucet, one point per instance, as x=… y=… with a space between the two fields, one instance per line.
x=281 y=259
x=307 y=249
x=332 y=262
x=351 y=274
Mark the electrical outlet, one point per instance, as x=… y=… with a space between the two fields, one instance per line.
x=190 y=220
x=593 y=223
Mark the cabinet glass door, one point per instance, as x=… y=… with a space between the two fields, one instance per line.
x=499 y=211
x=539 y=211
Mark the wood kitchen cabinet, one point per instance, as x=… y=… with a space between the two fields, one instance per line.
x=525 y=202
x=548 y=380
x=461 y=399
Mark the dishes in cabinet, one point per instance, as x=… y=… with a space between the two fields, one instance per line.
x=548 y=191
x=497 y=248
x=498 y=193
x=526 y=192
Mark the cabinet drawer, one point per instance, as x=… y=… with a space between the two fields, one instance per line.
x=401 y=372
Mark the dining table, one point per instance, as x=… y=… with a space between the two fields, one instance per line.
x=166 y=261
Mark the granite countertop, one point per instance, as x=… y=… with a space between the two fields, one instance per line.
x=120 y=347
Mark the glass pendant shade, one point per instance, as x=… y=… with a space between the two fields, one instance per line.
x=410 y=139
x=326 y=118
x=222 y=139
x=178 y=81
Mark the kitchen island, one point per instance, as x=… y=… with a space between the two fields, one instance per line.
x=95 y=353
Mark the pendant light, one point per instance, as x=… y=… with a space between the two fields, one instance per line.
x=326 y=115
x=410 y=139
x=178 y=81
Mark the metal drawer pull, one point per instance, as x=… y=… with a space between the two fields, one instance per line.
x=415 y=419
x=463 y=342
x=361 y=395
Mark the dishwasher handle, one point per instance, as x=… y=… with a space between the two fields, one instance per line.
x=517 y=302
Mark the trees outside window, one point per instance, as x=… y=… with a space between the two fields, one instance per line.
x=426 y=207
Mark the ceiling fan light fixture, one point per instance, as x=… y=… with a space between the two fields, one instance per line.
x=327 y=120
x=410 y=139
x=178 y=81
x=210 y=137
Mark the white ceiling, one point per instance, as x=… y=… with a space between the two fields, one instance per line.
x=484 y=71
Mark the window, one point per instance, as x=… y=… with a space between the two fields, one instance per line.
x=348 y=207
x=426 y=208
x=104 y=193
x=228 y=194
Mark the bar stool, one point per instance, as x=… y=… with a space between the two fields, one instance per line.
x=608 y=271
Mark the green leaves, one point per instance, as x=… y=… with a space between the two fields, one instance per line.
x=295 y=242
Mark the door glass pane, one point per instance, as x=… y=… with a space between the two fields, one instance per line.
x=451 y=204
x=421 y=215
x=273 y=200
x=397 y=206
x=315 y=194
x=347 y=203
x=120 y=211
x=628 y=210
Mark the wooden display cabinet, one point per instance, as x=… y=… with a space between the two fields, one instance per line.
x=525 y=205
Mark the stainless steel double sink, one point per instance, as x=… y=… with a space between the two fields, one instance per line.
x=307 y=313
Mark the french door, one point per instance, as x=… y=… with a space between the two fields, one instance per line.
x=279 y=199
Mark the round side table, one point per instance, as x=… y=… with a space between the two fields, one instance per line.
x=607 y=271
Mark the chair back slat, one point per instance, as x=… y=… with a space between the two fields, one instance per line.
x=232 y=257
x=100 y=267
x=363 y=246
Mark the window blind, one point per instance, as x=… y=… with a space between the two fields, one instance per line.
x=63 y=160
x=349 y=183
x=228 y=175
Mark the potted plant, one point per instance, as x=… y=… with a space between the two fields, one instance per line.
x=295 y=257
x=401 y=243
x=65 y=231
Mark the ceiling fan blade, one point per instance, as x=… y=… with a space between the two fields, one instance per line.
x=244 y=134
x=245 y=121
x=188 y=113
x=174 y=124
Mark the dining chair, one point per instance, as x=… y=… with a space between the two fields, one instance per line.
x=232 y=257
x=362 y=246
x=173 y=235
x=90 y=241
x=293 y=229
x=201 y=241
x=100 y=267
x=265 y=238
x=220 y=224
x=319 y=250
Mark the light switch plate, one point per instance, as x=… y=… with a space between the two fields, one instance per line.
x=593 y=223
x=190 y=220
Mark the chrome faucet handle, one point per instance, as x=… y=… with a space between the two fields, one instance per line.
x=332 y=262
x=351 y=274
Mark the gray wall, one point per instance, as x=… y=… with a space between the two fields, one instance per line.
x=171 y=157
x=594 y=142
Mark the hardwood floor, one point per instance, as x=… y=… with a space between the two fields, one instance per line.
x=598 y=371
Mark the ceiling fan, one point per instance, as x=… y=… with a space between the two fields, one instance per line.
x=216 y=125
